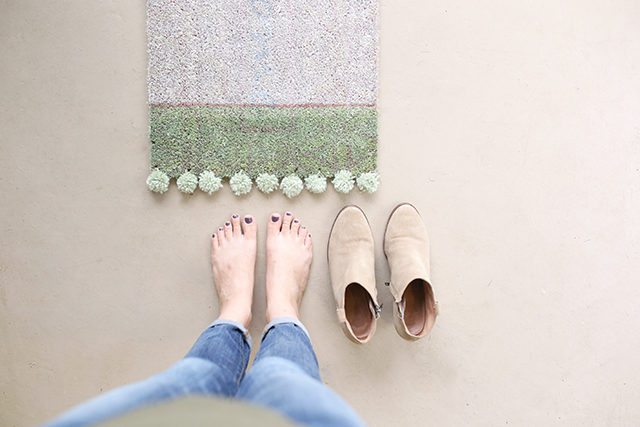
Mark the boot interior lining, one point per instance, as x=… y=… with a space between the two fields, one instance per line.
x=419 y=308
x=358 y=310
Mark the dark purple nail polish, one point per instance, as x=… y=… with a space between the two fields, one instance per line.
x=296 y=221
x=219 y=228
x=248 y=219
x=213 y=235
x=275 y=218
x=234 y=216
x=227 y=223
x=288 y=213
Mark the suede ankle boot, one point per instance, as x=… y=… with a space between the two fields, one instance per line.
x=351 y=266
x=406 y=246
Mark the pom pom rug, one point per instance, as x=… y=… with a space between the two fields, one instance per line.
x=279 y=94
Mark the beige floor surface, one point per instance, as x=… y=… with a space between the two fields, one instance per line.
x=514 y=126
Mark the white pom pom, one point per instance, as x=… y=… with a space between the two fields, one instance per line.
x=158 y=181
x=240 y=184
x=267 y=182
x=343 y=181
x=291 y=186
x=316 y=183
x=209 y=182
x=187 y=182
x=368 y=182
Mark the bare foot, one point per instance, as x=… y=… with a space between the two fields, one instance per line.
x=288 y=262
x=233 y=261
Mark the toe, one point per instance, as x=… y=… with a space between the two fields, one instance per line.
x=302 y=232
x=235 y=225
x=249 y=227
x=221 y=239
x=228 y=231
x=275 y=222
x=295 y=226
x=286 y=222
x=307 y=241
x=214 y=243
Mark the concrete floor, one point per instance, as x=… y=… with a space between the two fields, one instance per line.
x=513 y=126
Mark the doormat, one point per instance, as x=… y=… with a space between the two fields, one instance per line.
x=276 y=94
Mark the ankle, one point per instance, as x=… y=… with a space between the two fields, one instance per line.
x=235 y=314
x=275 y=311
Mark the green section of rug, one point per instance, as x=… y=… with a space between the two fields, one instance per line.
x=257 y=142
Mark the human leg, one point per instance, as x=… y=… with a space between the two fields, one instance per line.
x=214 y=366
x=285 y=374
x=217 y=361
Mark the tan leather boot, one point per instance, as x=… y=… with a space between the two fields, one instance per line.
x=406 y=246
x=351 y=266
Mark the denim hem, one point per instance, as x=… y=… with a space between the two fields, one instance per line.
x=239 y=326
x=281 y=320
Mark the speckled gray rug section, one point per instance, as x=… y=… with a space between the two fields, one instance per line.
x=289 y=78
x=262 y=51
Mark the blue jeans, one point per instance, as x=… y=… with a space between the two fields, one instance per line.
x=284 y=377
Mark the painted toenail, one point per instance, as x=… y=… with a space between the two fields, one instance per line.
x=234 y=216
x=213 y=235
x=288 y=213
x=248 y=220
x=227 y=224
x=275 y=218
x=296 y=221
x=219 y=228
